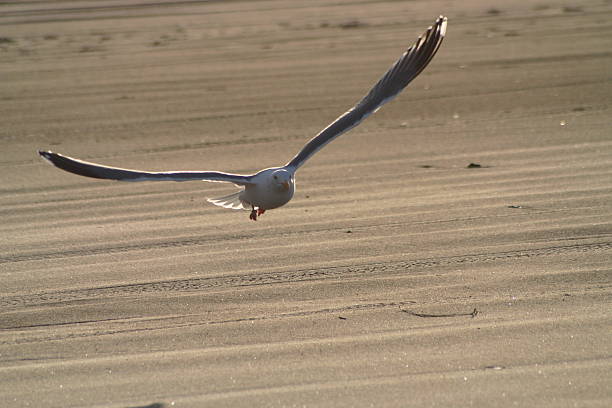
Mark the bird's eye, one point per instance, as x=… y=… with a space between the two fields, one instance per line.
x=275 y=177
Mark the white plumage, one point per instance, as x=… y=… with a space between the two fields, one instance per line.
x=274 y=187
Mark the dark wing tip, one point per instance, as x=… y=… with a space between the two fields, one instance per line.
x=75 y=166
x=442 y=22
x=47 y=155
x=439 y=26
x=55 y=159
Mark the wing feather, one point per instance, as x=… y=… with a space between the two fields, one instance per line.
x=87 y=169
x=405 y=69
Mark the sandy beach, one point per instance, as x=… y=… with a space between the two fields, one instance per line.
x=455 y=249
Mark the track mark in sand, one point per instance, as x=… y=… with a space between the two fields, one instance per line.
x=183 y=242
x=473 y=314
x=349 y=308
x=269 y=278
x=101 y=250
x=128 y=325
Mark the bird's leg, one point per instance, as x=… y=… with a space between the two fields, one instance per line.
x=253 y=215
x=260 y=211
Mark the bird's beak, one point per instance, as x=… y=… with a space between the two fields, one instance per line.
x=285 y=185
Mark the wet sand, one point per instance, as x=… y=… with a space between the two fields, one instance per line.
x=399 y=275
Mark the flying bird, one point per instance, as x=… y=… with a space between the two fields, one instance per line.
x=273 y=187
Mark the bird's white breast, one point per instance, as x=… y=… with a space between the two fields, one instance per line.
x=264 y=193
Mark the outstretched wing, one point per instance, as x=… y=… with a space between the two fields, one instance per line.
x=410 y=64
x=83 y=168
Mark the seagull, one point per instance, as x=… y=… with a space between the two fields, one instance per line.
x=273 y=187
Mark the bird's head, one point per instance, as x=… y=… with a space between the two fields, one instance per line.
x=281 y=180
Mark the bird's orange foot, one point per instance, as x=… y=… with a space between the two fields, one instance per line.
x=255 y=213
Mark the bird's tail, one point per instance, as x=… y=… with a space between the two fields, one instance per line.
x=231 y=201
